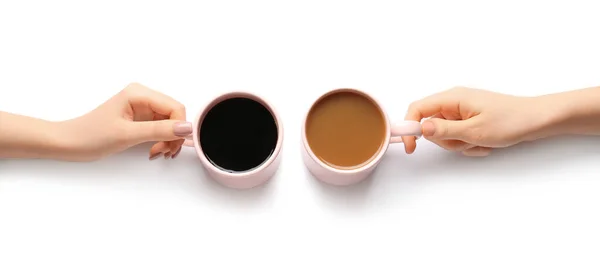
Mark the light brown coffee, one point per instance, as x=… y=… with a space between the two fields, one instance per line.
x=345 y=129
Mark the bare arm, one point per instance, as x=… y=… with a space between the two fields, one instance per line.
x=27 y=137
x=576 y=112
x=135 y=115
x=474 y=121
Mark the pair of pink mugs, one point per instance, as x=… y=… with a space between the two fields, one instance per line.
x=320 y=170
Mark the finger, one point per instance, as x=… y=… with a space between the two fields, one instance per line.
x=450 y=145
x=453 y=145
x=439 y=115
x=158 y=149
x=142 y=113
x=441 y=129
x=410 y=144
x=161 y=130
x=478 y=151
x=175 y=146
x=431 y=106
x=158 y=116
x=160 y=103
x=426 y=107
x=177 y=153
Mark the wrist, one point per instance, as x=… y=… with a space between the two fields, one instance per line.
x=57 y=143
x=543 y=117
x=569 y=113
x=46 y=140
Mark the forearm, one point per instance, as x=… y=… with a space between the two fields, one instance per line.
x=27 y=137
x=572 y=113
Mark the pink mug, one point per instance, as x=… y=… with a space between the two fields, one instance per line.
x=227 y=137
x=337 y=176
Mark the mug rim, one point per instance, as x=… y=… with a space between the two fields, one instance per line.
x=225 y=96
x=373 y=161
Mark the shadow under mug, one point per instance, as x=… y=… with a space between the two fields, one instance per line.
x=336 y=176
x=240 y=179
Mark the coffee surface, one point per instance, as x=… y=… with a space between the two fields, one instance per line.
x=238 y=134
x=345 y=129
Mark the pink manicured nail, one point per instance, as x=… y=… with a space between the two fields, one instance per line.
x=182 y=129
x=428 y=128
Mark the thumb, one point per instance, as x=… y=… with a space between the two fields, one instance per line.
x=160 y=130
x=437 y=128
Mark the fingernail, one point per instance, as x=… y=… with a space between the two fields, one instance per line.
x=428 y=128
x=182 y=129
x=176 y=153
x=154 y=157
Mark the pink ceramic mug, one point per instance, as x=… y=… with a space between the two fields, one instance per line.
x=245 y=179
x=335 y=176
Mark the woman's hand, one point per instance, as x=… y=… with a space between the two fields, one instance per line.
x=474 y=121
x=135 y=115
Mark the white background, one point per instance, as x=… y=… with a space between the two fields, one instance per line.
x=530 y=210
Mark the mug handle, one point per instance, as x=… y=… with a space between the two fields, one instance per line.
x=189 y=141
x=405 y=128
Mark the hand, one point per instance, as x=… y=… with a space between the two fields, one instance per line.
x=474 y=121
x=135 y=115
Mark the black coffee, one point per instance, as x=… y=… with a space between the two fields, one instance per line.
x=238 y=134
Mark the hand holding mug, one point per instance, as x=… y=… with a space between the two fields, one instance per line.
x=474 y=121
x=238 y=136
x=135 y=115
